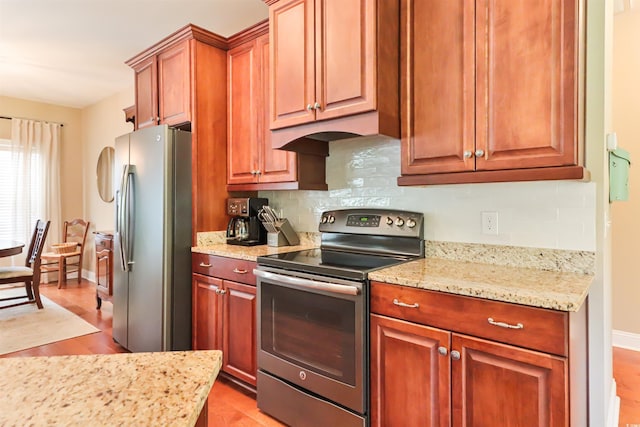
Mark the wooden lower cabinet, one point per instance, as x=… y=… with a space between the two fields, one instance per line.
x=104 y=266
x=501 y=385
x=409 y=379
x=207 y=325
x=224 y=318
x=423 y=375
x=417 y=379
x=239 y=331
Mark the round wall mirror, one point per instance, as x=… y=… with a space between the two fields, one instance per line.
x=104 y=171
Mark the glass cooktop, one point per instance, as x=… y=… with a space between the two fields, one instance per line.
x=345 y=265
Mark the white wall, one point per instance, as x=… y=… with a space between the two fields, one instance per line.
x=363 y=172
x=102 y=123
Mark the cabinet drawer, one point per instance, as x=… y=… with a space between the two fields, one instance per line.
x=542 y=330
x=103 y=241
x=237 y=270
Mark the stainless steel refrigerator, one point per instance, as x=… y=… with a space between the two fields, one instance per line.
x=152 y=262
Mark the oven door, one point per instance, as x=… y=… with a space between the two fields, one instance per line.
x=311 y=332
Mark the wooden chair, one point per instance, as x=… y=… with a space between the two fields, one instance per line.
x=74 y=231
x=30 y=273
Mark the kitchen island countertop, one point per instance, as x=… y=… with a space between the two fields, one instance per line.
x=163 y=388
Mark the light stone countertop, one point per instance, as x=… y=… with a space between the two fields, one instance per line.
x=564 y=291
x=214 y=243
x=126 y=389
x=249 y=253
x=547 y=278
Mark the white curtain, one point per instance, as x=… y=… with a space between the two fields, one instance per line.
x=35 y=151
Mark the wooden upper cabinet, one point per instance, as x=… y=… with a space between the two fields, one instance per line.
x=242 y=111
x=174 y=80
x=276 y=165
x=498 y=384
x=253 y=164
x=182 y=81
x=331 y=60
x=146 y=78
x=489 y=91
x=437 y=86
x=292 y=35
x=323 y=60
x=163 y=92
x=526 y=84
x=250 y=156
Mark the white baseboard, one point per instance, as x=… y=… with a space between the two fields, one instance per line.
x=89 y=275
x=626 y=340
x=614 y=406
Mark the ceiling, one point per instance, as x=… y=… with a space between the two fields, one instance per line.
x=72 y=52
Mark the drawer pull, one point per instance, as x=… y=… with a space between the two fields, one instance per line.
x=403 y=304
x=504 y=325
x=235 y=270
x=202 y=264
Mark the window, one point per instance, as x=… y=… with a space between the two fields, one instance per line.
x=19 y=190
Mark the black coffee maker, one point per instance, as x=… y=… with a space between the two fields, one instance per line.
x=244 y=226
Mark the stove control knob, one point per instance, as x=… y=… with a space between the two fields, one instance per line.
x=324 y=219
x=389 y=221
x=399 y=222
x=411 y=223
x=332 y=219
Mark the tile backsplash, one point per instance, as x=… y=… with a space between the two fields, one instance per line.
x=363 y=172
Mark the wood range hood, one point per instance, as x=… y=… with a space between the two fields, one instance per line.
x=314 y=138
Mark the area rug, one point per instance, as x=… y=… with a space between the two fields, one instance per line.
x=25 y=326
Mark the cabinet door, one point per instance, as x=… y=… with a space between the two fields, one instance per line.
x=207 y=329
x=409 y=378
x=146 y=75
x=275 y=165
x=104 y=266
x=239 y=324
x=526 y=84
x=501 y=385
x=345 y=49
x=243 y=104
x=437 y=86
x=174 y=91
x=291 y=31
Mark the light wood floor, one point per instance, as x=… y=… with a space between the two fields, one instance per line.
x=231 y=406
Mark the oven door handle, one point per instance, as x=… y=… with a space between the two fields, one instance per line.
x=308 y=284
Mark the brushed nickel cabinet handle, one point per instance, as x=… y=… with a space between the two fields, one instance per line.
x=235 y=270
x=479 y=153
x=467 y=154
x=222 y=291
x=202 y=264
x=309 y=107
x=455 y=355
x=316 y=106
x=443 y=351
x=505 y=325
x=403 y=304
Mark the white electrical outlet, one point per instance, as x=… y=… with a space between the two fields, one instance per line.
x=490 y=223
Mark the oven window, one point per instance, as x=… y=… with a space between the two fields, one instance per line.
x=313 y=331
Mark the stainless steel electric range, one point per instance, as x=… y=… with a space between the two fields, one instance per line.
x=313 y=306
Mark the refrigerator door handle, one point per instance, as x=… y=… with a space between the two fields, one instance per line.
x=131 y=214
x=122 y=217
